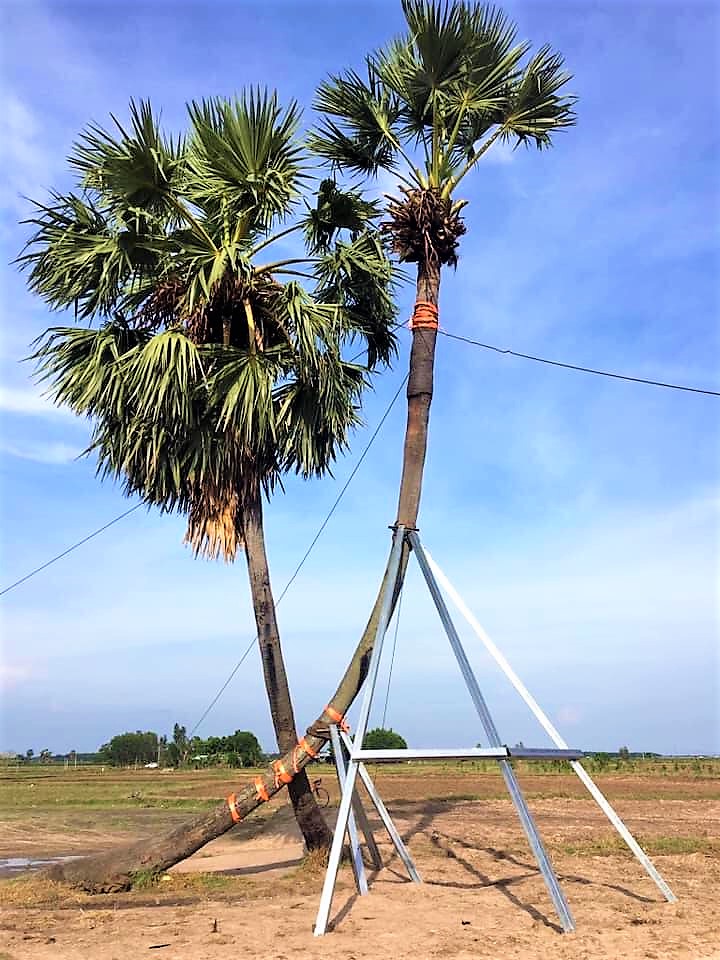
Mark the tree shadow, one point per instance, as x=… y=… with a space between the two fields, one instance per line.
x=503 y=884
x=497 y=854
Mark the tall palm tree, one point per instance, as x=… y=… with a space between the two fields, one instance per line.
x=427 y=109
x=214 y=370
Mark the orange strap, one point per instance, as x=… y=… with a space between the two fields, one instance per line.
x=304 y=746
x=337 y=718
x=425 y=316
x=260 y=789
x=232 y=804
x=307 y=748
x=281 y=774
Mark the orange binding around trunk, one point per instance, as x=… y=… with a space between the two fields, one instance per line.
x=260 y=789
x=337 y=718
x=305 y=746
x=232 y=804
x=281 y=774
x=425 y=316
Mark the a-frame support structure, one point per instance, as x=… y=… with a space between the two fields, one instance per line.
x=350 y=756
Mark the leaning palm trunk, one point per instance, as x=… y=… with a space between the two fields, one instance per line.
x=309 y=818
x=109 y=872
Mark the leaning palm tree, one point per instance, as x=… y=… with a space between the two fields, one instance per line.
x=214 y=370
x=428 y=108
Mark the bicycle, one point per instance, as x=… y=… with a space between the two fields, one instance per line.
x=321 y=795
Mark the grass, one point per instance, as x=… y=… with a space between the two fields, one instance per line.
x=654 y=846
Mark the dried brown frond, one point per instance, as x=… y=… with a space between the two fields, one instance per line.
x=213 y=528
x=424 y=226
x=221 y=319
x=162 y=306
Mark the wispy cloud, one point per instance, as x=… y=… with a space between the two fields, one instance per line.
x=51 y=453
x=22 y=154
x=13 y=674
x=30 y=403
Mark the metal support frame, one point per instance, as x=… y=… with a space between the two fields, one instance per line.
x=348 y=787
x=359 y=815
x=550 y=729
x=491 y=732
x=355 y=851
x=356 y=755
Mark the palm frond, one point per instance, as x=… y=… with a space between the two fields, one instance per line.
x=453 y=80
x=77 y=257
x=336 y=210
x=535 y=111
x=358 y=278
x=244 y=160
x=207 y=374
x=361 y=138
x=316 y=412
x=137 y=172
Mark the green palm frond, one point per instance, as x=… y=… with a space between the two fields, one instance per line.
x=357 y=276
x=164 y=378
x=210 y=372
x=84 y=369
x=534 y=110
x=316 y=413
x=439 y=96
x=335 y=210
x=242 y=388
x=244 y=161
x=77 y=257
x=137 y=172
x=362 y=138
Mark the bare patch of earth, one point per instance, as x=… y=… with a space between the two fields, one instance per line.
x=482 y=895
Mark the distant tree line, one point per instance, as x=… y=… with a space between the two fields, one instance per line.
x=239 y=749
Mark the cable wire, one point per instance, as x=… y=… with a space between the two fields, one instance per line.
x=392 y=658
x=309 y=550
x=573 y=366
x=70 y=549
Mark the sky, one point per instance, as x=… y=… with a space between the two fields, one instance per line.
x=577 y=515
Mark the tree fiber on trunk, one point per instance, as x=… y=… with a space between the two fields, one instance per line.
x=115 y=870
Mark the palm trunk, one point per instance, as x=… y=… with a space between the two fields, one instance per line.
x=419 y=398
x=312 y=824
x=115 y=870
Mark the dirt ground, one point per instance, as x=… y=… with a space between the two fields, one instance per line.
x=249 y=894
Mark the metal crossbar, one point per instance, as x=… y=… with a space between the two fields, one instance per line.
x=352 y=765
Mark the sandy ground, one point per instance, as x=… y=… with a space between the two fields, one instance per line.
x=482 y=895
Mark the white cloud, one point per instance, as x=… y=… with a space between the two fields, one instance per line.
x=30 y=403
x=569 y=715
x=23 y=157
x=53 y=453
x=13 y=674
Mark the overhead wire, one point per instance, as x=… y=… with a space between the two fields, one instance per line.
x=70 y=549
x=451 y=336
x=574 y=366
x=392 y=658
x=105 y=526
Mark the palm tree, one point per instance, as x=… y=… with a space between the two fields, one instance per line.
x=214 y=371
x=428 y=108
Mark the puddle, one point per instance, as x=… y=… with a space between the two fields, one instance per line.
x=12 y=865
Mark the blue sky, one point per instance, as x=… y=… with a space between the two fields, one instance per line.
x=577 y=515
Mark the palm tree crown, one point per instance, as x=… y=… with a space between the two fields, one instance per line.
x=213 y=367
x=430 y=104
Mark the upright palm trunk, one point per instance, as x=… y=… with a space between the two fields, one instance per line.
x=115 y=870
x=310 y=820
x=419 y=398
